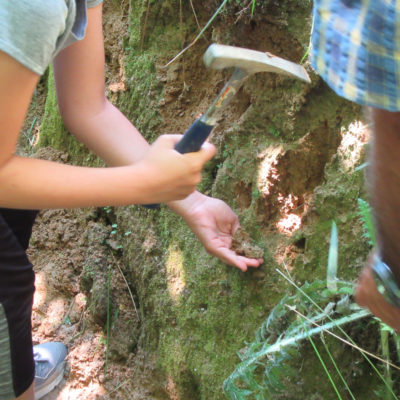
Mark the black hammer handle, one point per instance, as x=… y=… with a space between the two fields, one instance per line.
x=191 y=142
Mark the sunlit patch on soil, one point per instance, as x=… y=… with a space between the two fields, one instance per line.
x=172 y=390
x=268 y=172
x=176 y=275
x=290 y=222
x=41 y=291
x=352 y=145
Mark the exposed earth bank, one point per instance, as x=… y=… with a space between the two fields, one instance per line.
x=145 y=312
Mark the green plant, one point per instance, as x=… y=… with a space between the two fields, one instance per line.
x=253 y=6
x=315 y=308
x=366 y=217
x=256 y=194
x=274 y=132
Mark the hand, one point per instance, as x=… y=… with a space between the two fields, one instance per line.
x=214 y=224
x=367 y=295
x=172 y=175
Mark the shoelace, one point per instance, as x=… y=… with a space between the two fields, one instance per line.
x=41 y=366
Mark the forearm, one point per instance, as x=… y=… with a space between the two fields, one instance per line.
x=109 y=134
x=115 y=139
x=384 y=182
x=36 y=184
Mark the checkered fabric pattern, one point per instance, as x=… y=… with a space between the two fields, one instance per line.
x=356 y=49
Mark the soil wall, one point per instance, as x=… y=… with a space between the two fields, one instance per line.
x=286 y=163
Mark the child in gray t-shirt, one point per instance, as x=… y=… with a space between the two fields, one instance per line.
x=69 y=32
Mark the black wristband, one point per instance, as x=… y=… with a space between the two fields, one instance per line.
x=385 y=281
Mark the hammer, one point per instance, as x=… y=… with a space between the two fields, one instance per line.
x=246 y=62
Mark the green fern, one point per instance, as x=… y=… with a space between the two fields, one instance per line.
x=264 y=363
x=368 y=224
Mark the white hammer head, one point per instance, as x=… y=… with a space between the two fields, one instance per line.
x=220 y=56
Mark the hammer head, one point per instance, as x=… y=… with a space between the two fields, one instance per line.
x=219 y=56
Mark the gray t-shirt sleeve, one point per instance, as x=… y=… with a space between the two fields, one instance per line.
x=29 y=30
x=93 y=3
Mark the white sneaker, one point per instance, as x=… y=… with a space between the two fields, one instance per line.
x=49 y=366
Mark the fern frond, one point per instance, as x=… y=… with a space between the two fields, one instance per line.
x=368 y=224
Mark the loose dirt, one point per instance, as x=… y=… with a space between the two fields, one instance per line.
x=83 y=300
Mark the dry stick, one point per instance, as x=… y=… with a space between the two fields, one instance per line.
x=242 y=12
x=182 y=38
x=343 y=340
x=145 y=25
x=195 y=16
x=199 y=35
x=127 y=285
x=351 y=317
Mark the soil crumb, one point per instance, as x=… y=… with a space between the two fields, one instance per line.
x=243 y=244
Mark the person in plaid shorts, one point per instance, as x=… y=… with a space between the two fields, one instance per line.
x=356 y=50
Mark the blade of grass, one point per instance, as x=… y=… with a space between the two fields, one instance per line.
x=386 y=355
x=28 y=136
x=350 y=341
x=307 y=52
x=127 y=286
x=322 y=363
x=331 y=280
x=253 y=7
x=199 y=35
x=336 y=367
x=195 y=15
x=362 y=166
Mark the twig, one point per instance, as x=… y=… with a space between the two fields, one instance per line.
x=198 y=36
x=108 y=319
x=127 y=285
x=363 y=353
x=195 y=16
x=145 y=25
x=322 y=363
x=352 y=317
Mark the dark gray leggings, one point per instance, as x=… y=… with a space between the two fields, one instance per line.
x=16 y=297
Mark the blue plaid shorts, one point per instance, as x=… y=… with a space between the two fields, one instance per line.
x=356 y=49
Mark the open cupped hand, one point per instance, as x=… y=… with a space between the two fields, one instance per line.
x=214 y=223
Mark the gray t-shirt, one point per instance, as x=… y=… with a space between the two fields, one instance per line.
x=34 y=31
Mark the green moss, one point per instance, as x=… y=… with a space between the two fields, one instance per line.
x=140 y=102
x=54 y=134
x=197 y=327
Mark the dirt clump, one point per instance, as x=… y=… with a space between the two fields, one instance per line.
x=243 y=244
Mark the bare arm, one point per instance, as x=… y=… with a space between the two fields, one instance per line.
x=79 y=73
x=162 y=175
x=87 y=113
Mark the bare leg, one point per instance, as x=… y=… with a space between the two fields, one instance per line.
x=384 y=183
x=28 y=395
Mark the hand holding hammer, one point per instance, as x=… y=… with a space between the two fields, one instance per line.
x=246 y=62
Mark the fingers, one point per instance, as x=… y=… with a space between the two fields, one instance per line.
x=241 y=262
x=367 y=295
x=361 y=290
x=206 y=152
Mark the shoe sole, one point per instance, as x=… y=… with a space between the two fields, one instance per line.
x=58 y=373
